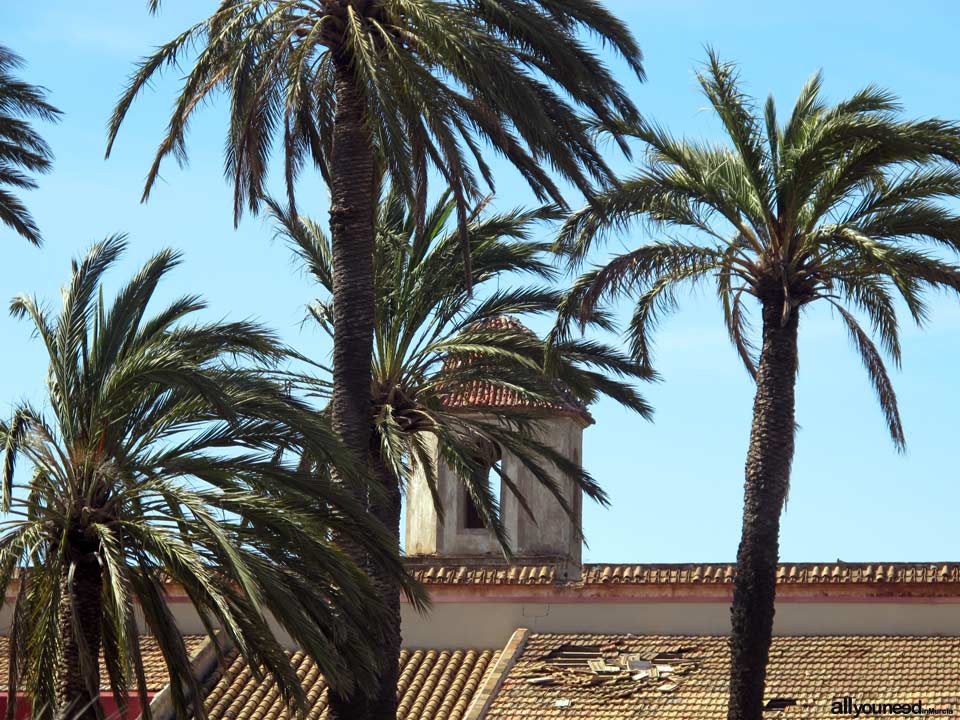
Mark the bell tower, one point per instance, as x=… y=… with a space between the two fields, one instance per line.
x=550 y=536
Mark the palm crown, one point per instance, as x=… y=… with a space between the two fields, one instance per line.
x=161 y=463
x=838 y=204
x=21 y=147
x=438 y=78
x=433 y=337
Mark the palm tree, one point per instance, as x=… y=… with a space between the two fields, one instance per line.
x=839 y=206
x=159 y=462
x=433 y=337
x=22 y=150
x=412 y=86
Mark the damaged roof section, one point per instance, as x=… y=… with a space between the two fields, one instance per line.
x=635 y=677
x=614 y=677
x=611 y=668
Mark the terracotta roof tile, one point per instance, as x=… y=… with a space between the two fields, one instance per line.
x=478 y=574
x=433 y=685
x=552 y=679
x=787 y=573
x=479 y=395
x=452 y=572
x=154 y=666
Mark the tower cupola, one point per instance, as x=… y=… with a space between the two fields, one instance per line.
x=550 y=534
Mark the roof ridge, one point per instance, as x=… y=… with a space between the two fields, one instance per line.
x=546 y=571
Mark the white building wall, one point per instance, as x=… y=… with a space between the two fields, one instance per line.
x=489 y=625
x=485 y=624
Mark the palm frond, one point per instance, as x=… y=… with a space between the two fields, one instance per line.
x=513 y=75
x=878 y=376
x=844 y=203
x=433 y=336
x=21 y=146
x=168 y=460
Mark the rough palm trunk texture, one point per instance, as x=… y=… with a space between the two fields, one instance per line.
x=351 y=232
x=767 y=476
x=385 y=506
x=79 y=612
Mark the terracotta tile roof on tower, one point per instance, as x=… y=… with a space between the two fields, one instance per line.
x=433 y=685
x=685 y=677
x=154 y=666
x=450 y=572
x=478 y=395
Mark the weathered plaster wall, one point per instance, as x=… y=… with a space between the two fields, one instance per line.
x=550 y=532
x=488 y=625
x=186 y=617
x=421 y=521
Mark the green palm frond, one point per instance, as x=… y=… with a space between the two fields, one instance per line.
x=844 y=203
x=515 y=75
x=22 y=150
x=427 y=322
x=172 y=456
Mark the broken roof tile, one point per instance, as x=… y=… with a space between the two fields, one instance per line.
x=804 y=676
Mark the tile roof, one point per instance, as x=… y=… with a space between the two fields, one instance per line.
x=551 y=678
x=476 y=394
x=154 y=666
x=433 y=685
x=493 y=574
x=440 y=571
x=787 y=573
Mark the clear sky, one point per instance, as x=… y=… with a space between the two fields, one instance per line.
x=675 y=484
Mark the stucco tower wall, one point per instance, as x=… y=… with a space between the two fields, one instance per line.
x=550 y=532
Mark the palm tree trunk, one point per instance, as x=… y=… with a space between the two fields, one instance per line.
x=385 y=506
x=352 y=240
x=767 y=478
x=77 y=696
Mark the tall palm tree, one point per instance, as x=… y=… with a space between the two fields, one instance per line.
x=433 y=337
x=838 y=206
x=22 y=150
x=412 y=86
x=160 y=461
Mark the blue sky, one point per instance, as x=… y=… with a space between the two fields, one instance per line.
x=676 y=484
